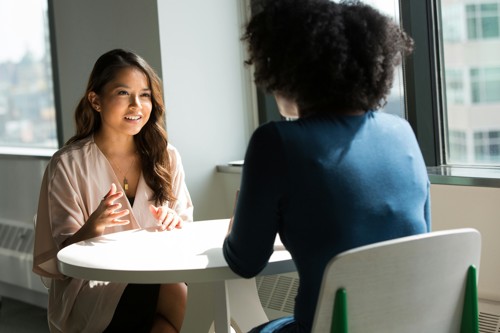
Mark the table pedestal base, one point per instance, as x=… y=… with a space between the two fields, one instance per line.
x=224 y=304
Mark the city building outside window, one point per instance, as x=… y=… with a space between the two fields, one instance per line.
x=27 y=111
x=458 y=145
x=455 y=86
x=471 y=45
x=453 y=29
x=482 y=20
x=485 y=85
x=487 y=146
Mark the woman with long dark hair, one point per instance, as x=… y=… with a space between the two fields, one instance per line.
x=118 y=172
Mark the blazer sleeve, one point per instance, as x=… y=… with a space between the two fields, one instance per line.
x=183 y=205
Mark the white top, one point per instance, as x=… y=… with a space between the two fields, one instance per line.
x=191 y=254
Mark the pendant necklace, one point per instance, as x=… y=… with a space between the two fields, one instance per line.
x=125 y=180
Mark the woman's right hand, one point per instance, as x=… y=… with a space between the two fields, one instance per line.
x=108 y=213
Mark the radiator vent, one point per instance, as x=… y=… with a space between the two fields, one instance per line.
x=17 y=279
x=489 y=316
x=488 y=323
x=277 y=292
x=17 y=238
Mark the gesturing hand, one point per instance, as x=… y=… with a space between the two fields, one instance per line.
x=167 y=218
x=108 y=213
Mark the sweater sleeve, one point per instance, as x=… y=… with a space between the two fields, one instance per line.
x=257 y=215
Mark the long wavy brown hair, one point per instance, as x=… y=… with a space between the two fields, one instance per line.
x=151 y=141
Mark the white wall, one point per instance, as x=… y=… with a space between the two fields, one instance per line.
x=475 y=207
x=207 y=93
x=20 y=179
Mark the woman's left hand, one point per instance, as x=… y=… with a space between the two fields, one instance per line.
x=167 y=218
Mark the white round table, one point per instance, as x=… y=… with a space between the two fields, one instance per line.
x=193 y=255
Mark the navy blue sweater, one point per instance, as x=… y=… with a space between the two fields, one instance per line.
x=326 y=184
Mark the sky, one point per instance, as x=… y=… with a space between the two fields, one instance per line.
x=388 y=7
x=21 y=28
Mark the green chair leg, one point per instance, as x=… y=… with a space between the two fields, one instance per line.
x=339 y=317
x=470 y=314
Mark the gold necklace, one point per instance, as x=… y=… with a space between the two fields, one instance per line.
x=125 y=180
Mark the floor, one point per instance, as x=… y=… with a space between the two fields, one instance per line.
x=19 y=317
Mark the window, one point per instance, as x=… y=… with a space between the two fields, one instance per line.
x=455 y=90
x=485 y=85
x=472 y=82
x=458 y=145
x=453 y=31
x=482 y=21
x=27 y=111
x=487 y=146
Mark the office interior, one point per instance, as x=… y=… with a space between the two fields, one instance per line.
x=211 y=112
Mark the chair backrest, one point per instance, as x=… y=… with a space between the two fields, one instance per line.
x=412 y=284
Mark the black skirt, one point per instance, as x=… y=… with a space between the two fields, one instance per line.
x=136 y=309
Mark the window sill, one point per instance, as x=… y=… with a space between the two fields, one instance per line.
x=228 y=168
x=465 y=176
x=27 y=152
x=443 y=175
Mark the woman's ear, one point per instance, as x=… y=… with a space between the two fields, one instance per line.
x=94 y=101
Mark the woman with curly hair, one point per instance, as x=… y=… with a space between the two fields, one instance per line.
x=118 y=172
x=342 y=174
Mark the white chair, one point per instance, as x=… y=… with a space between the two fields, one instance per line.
x=408 y=285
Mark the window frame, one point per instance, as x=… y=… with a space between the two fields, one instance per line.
x=426 y=100
x=424 y=89
x=55 y=73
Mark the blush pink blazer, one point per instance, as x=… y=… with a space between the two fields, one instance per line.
x=75 y=181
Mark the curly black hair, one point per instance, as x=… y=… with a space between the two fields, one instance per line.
x=326 y=56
